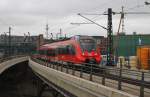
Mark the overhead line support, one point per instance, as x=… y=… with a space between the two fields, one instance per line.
x=109 y=39
x=92 y=21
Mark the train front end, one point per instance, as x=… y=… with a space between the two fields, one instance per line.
x=89 y=53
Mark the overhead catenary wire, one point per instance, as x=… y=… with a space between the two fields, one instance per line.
x=135 y=7
x=95 y=8
x=101 y=6
x=92 y=21
x=95 y=18
x=131 y=13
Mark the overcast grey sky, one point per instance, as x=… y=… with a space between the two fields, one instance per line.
x=32 y=15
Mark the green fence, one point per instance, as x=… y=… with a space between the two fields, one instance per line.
x=126 y=45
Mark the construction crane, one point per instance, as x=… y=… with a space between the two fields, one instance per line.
x=121 y=23
x=117 y=36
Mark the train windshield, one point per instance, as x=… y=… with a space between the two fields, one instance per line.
x=87 y=45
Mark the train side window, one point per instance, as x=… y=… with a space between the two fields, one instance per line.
x=62 y=50
x=56 y=51
x=59 y=50
x=53 y=52
x=44 y=52
x=49 y=52
x=71 y=49
x=41 y=52
x=65 y=50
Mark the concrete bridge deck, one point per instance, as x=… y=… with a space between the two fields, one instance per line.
x=76 y=86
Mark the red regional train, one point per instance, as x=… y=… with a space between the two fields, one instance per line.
x=77 y=50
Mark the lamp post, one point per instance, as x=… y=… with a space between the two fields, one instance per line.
x=5 y=43
x=140 y=43
x=9 y=42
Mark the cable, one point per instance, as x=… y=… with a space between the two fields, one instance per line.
x=99 y=6
x=137 y=6
x=96 y=17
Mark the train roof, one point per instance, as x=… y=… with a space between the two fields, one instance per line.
x=57 y=44
x=72 y=40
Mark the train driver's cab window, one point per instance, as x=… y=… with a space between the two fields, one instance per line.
x=87 y=44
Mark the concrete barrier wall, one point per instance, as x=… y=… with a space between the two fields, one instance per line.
x=7 y=64
x=77 y=86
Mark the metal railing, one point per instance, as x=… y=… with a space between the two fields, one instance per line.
x=133 y=77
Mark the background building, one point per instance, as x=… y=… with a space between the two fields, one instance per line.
x=101 y=42
x=124 y=45
x=19 y=44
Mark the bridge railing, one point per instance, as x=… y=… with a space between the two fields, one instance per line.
x=133 y=77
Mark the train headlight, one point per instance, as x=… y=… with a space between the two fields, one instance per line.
x=83 y=54
x=95 y=54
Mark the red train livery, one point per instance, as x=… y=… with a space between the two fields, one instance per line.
x=78 y=49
